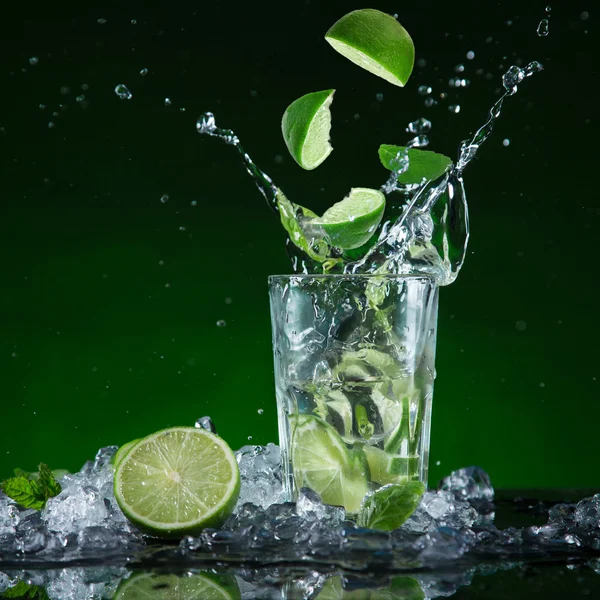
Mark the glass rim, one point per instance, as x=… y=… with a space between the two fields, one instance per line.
x=357 y=276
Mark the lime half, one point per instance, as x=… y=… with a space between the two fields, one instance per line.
x=145 y=586
x=178 y=481
x=322 y=462
x=376 y=42
x=305 y=125
x=351 y=222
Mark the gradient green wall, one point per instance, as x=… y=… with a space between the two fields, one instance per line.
x=109 y=298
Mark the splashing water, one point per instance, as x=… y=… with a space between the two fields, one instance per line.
x=425 y=233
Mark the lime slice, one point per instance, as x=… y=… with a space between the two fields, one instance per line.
x=122 y=452
x=376 y=42
x=178 y=481
x=386 y=468
x=351 y=222
x=322 y=462
x=146 y=586
x=333 y=589
x=305 y=126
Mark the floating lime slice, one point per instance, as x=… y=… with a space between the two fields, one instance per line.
x=305 y=125
x=350 y=223
x=322 y=462
x=148 y=586
x=376 y=42
x=122 y=452
x=386 y=468
x=178 y=481
x=422 y=164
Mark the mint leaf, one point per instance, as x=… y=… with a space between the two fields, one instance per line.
x=422 y=164
x=24 y=492
x=406 y=588
x=388 y=507
x=47 y=482
x=25 y=591
x=31 y=493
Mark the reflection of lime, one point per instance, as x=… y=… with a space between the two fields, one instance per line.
x=122 y=451
x=400 y=588
x=376 y=42
x=333 y=589
x=178 y=481
x=351 y=222
x=147 y=586
x=305 y=126
x=322 y=462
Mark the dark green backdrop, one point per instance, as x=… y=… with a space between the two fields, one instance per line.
x=108 y=307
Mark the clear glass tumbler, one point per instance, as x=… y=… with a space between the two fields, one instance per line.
x=354 y=370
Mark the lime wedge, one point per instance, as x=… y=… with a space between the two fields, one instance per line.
x=376 y=42
x=350 y=223
x=122 y=452
x=145 y=586
x=322 y=462
x=305 y=126
x=385 y=468
x=178 y=481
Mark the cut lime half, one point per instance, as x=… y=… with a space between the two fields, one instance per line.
x=145 y=586
x=351 y=223
x=177 y=482
x=322 y=462
x=305 y=125
x=376 y=42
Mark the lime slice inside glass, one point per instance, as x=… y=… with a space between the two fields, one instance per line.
x=322 y=462
x=376 y=42
x=305 y=125
x=144 y=586
x=350 y=223
x=177 y=482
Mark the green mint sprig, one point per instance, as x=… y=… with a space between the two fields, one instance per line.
x=25 y=591
x=30 y=492
x=388 y=507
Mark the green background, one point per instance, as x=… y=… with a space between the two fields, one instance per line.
x=108 y=309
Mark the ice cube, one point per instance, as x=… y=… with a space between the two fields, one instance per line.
x=260 y=474
x=471 y=483
x=311 y=509
x=587 y=513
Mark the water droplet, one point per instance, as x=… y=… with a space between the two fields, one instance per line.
x=520 y=325
x=206 y=123
x=168 y=102
x=42 y=106
x=14 y=355
x=470 y=55
x=419 y=126
x=228 y=300
x=123 y=92
x=221 y=323
x=50 y=124
x=249 y=438
x=133 y=21
x=584 y=16
x=164 y=198
x=543 y=28
x=194 y=202
x=182 y=228
x=421 y=62
x=506 y=142
x=438 y=463
x=85 y=87
x=260 y=411
x=205 y=423
x=65 y=90
x=144 y=72
x=542 y=384
x=34 y=60
x=454 y=108
x=278 y=159
x=548 y=9
x=102 y=21
x=429 y=102
x=424 y=90
x=459 y=68
x=379 y=97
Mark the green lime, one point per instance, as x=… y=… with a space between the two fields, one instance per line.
x=385 y=468
x=305 y=126
x=122 y=451
x=351 y=223
x=177 y=481
x=333 y=589
x=376 y=42
x=322 y=462
x=145 y=586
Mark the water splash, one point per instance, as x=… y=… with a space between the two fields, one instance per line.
x=425 y=233
x=543 y=28
x=123 y=92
